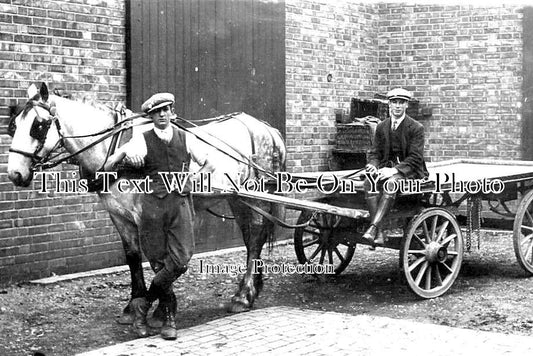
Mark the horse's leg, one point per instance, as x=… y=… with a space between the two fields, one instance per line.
x=130 y=241
x=255 y=234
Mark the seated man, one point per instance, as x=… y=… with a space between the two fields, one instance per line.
x=397 y=153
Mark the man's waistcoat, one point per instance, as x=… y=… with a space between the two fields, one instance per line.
x=162 y=157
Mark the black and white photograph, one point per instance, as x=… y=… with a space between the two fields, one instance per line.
x=267 y=177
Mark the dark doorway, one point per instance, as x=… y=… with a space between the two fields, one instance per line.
x=216 y=57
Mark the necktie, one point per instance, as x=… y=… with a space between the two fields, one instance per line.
x=395 y=125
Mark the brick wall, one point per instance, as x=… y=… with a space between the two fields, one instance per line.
x=463 y=62
x=337 y=38
x=77 y=46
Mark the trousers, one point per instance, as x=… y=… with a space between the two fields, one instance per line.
x=167 y=237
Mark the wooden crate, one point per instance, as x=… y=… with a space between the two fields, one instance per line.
x=355 y=137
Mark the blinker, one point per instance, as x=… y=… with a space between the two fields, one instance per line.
x=39 y=129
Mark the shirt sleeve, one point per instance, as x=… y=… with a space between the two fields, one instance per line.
x=196 y=149
x=136 y=146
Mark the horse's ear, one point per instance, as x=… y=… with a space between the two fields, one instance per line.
x=32 y=91
x=44 y=92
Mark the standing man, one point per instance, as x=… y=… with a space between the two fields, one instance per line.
x=397 y=153
x=166 y=229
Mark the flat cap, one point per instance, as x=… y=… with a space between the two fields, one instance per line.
x=399 y=93
x=157 y=101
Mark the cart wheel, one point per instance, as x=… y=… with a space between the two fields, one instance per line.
x=523 y=233
x=316 y=243
x=432 y=252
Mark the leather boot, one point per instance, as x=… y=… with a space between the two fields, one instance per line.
x=373 y=234
x=372 y=204
x=140 y=308
x=169 y=330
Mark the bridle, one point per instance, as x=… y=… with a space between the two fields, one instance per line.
x=39 y=131
x=41 y=126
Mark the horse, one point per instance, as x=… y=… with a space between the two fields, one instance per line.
x=244 y=148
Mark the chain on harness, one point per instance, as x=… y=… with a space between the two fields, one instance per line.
x=473 y=221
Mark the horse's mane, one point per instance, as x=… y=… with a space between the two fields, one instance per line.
x=83 y=100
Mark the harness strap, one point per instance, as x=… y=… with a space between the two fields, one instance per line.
x=249 y=161
x=119 y=117
x=223 y=217
x=122 y=126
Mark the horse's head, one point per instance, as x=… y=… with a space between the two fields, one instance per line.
x=35 y=132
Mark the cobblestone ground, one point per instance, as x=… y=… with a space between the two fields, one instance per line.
x=293 y=331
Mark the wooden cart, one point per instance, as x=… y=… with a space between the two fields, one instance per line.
x=431 y=228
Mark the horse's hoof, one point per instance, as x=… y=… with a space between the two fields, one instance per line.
x=238 y=306
x=126 y=319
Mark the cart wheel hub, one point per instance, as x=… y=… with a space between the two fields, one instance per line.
x=435 y=252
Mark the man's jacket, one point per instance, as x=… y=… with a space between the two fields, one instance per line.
x=411 y=158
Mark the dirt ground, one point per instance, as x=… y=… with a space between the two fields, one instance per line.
x=492 y=293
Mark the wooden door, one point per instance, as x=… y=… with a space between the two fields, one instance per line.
x=216 y=57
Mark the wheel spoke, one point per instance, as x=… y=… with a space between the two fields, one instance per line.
x=318 y=249
x=313 y=231
x=434 y=228
x=421 y=273
x=330 y=256
x=528 y=215
x=339 y=254
x=311 y=242
x=417 y=263
x=442 y=230
x=528 y=255
x=426 y=231
x=419 y=240
x=417 y=252
x=449 y=239
x=322 y=256
x=438 y=276
x=525 y=239
x=428 y=277
x=447 y=267
x=527 y=227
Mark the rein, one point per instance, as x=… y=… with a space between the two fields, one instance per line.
x=244 y=160
x=107 y=133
